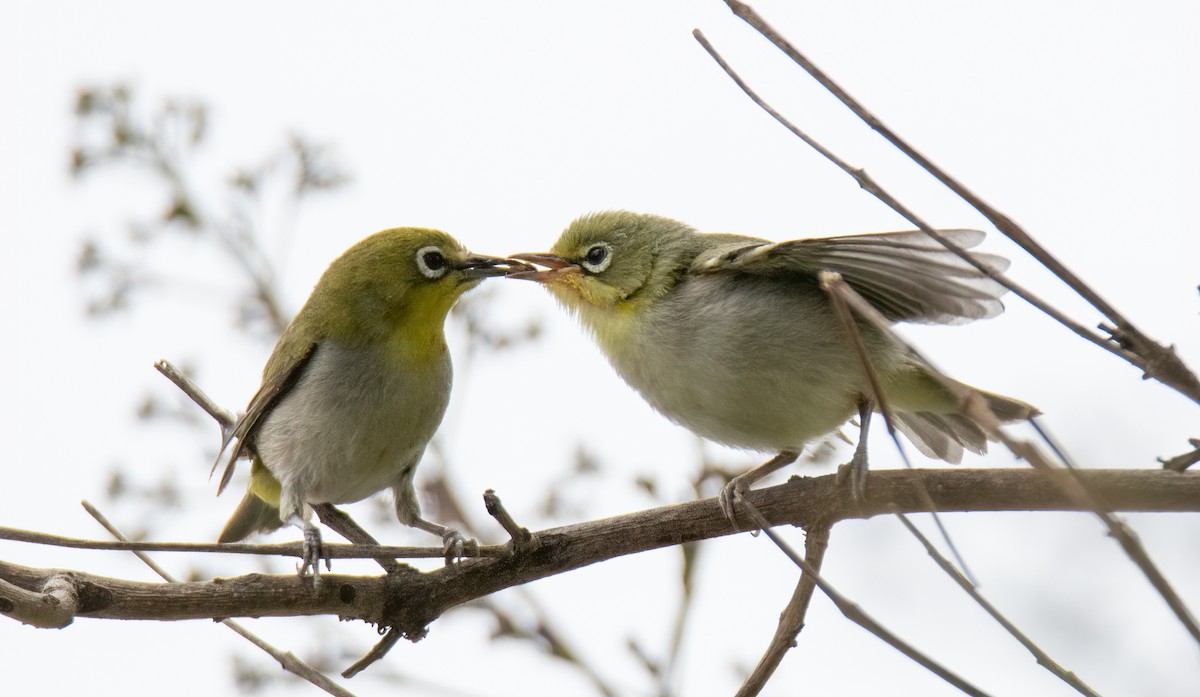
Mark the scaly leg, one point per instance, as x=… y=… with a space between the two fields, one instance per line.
x=453 y=542
x=293 y=511
x=854 y=473
x=739 y=485
x=408 y=512
x=312 y=547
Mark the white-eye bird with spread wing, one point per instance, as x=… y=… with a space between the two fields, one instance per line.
x=733 y=337
x=356 y=386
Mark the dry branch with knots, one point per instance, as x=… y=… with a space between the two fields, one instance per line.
x=406 y=602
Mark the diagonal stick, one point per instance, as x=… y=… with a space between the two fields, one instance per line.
x=1074 y=486
x=1042 y=657
x=1125 y=340
x=286 y=659
x=791 y=620
x=855 y=614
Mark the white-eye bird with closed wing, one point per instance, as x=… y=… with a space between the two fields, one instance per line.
x=355 y=387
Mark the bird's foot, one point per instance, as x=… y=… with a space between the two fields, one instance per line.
x=455 y=546
x=730 y=495
x=737 y=487
x=313 y=553
x=853 y=476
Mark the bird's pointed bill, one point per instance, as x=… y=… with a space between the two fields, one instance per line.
x=482 y=266
x=555 y=265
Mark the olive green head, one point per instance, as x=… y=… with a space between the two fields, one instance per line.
x=405 y=258
x=401 y=276
x=610 y=258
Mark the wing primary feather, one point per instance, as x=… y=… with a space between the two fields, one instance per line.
x=908 y=275
x=268 y=394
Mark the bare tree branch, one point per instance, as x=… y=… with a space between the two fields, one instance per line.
x=410 y=601
x=855 y=614
x=1156 y=360
x=289 y=661
x=791 y=620
x=1077 y=488
x=49 y=604
x=222 y=416
x=283 y=549
x=1042 y=657
x=1181 y=462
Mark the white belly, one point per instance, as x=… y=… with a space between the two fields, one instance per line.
x=357 y=422
x=750 y=363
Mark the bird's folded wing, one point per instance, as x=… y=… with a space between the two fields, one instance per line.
x=907 y=276
x=277 y=381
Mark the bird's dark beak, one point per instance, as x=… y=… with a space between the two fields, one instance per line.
x=555 y=266
x=482 y=266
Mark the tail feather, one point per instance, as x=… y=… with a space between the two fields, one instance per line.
x=945 y=435
x=253 y=515
x=928 y=436
x=942 y=436
x=1009 y=409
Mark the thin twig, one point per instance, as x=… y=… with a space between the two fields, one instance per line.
x=1042 y=657
x=286 y=659
x=341 y=523
x=1179 y=463
x=285 y=549
x=522 y=539
x=933 y=513
x=878 y=397
x=791 y=620
x=868 y=184
x=1155 y=360
x=855 y=614
x=377 y=652
x=1078 y=488
x=224 y=419
x=1073 y=486
x=549 y=637
x=864 y=359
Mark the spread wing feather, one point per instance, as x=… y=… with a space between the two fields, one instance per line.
x=907 y=276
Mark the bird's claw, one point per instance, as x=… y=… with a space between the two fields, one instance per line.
x=313 y=553
x=454 y=545
x=853 y=476
x=730 y=494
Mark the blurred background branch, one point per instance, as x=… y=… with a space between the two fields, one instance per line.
x=163 y=146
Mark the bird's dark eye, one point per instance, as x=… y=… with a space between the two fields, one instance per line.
x=597 y=258
x=434 y=261
x=431 y=262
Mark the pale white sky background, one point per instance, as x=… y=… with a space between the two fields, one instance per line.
x=500 y=122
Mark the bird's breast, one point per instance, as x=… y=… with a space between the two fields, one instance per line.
x=745 y=361
x=356 y=419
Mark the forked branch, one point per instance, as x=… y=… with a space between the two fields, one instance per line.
x=1123 y=338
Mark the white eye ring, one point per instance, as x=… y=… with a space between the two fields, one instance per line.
x=431 y=262
x=597 y=258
